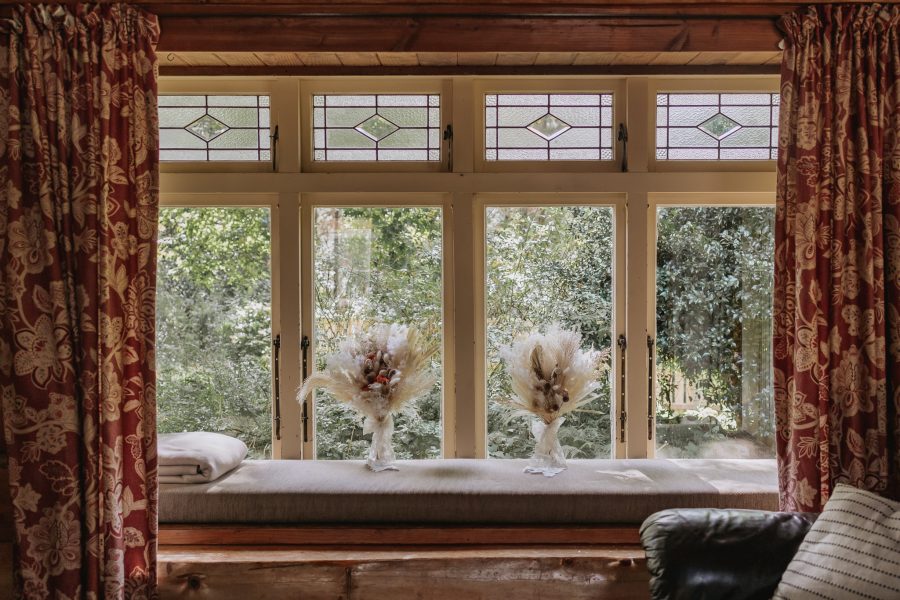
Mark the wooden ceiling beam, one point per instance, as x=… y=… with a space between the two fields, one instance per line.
x=175 y=69
x=460 y=7
x=464 y=34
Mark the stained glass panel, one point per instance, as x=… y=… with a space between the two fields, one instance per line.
x=548 y=127
x=214 y=128
x=377 y=127
x=709 y=126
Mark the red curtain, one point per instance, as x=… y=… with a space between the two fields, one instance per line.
x=837 y=254
x=78 y=218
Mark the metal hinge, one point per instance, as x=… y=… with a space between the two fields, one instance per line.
x=304 y=410
x=623 y=415
x=276 y=368
x=649 y=388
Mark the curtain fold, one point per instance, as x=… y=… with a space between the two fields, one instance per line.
x=837 y=254
x=78 y=217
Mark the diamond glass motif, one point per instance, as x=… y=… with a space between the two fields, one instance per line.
x=719 y=126
x=549 y=127
x=207 y=128
x=376 y=127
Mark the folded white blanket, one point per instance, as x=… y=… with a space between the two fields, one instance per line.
x=197 y=456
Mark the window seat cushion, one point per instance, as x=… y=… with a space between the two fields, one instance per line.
x=468 y=491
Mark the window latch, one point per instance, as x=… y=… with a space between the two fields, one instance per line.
x=304 y=410
x=448 y=137
x=649 y=388
x=623 y=416
x=623 y=137
x=274 y=137
x=276 y=368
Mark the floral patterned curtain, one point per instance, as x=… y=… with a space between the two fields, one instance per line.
x=78 y=217
x=837 y=254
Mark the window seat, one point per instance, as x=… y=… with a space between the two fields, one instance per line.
x=467 y=492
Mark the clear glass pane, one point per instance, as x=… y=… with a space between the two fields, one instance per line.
x=214 y=323
x=377 y=265
x=547 y=265
x=408 y=124
x=714 y=332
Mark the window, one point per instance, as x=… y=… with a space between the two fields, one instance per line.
x=716 y=126
x=377 y=127
x=543 y=265
x=214 y=323
x=214 y=128
x=520 y=219
x=548 y=127
x=713 y=332
x=377 y=265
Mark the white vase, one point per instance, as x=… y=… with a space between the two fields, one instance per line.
x=381 y=451
x=548 y=458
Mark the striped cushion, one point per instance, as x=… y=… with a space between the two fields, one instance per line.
x=851 y=551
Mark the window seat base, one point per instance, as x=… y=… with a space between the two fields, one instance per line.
x=467 y=492
x=402 y=573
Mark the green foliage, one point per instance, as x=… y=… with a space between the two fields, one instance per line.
x=713 y=306
x=378 y=265
x=545 y=265
x=214 y=323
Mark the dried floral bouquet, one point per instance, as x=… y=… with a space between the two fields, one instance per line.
x=379 y=373
x=551 y=376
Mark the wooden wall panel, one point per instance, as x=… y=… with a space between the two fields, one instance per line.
x=310 y=535
x=400 y=573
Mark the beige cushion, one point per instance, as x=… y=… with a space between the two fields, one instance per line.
x=468 y=492
x=851 y=551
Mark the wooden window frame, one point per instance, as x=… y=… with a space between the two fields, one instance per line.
x=292 y=190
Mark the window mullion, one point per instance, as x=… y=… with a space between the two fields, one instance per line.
x=468 y=285
x=306 y=303
x=286 y=259
x=286 y=115
x=637 y=286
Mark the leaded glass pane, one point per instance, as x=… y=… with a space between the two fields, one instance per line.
x=716 y=126
x=548 y=127
x=213 y=128
x=396 y=127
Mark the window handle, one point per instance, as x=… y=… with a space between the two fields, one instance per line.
x=448 y=137
x=649 y=388
x=276 y=368
x=623 y=137
x=304 y=411
x=623 y=416
x=274 y=137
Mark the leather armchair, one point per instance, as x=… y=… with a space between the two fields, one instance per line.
x=712 y=554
